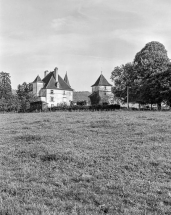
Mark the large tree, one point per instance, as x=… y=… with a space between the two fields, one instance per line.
x=151 y=64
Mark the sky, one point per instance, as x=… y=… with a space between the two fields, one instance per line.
x=82 y=37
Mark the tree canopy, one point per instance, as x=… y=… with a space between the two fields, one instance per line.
x=151 y=64
x=148 y=77
x=151 y=60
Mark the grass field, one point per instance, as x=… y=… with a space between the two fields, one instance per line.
x=85 y=163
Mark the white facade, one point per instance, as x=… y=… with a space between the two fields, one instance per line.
x=103 y=89
x=105 y=93
x=52 y=89
x=55 y=97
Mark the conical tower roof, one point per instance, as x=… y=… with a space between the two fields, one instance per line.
x=66 y=79
x=101 y=81
x=38 y=79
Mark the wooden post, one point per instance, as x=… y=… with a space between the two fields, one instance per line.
x=127 y=97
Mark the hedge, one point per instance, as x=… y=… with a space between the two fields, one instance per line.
x=86 y=108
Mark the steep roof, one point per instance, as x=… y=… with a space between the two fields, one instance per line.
x=38 y=79
x=63 y=85
x=50 y=82
x=101 y=81
x=47 y=78
x=66 y=79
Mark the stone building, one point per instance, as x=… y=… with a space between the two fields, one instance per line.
x=101 y=92
x=52 y=89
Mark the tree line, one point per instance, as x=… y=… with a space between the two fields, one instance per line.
x=147 y=80
x=18 y=101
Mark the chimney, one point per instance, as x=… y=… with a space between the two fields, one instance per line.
x=45 y=73
x=56 y=74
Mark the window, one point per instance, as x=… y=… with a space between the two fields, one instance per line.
x=105 y=88
x=64 y=92
x=51 y=99
x=104 y=93
x=51 y=92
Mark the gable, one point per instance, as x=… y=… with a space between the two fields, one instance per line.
x=51 y=84
x=47 y=78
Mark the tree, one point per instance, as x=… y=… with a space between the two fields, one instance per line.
x=8 y=101
x=107 y=98
x=124 y=77
x=151 y=64
x=5 y=85
x=165 y=80
x=95 y=98
x=25 y=96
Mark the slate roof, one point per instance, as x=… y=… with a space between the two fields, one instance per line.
x=66 y=79
x=47 y=78
x=38 y=79
x=50 y=83
x=63 y=85
x=101 y=81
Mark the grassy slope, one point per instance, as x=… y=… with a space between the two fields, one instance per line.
x=85 y=163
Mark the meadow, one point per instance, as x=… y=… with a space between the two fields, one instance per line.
x=80 y=163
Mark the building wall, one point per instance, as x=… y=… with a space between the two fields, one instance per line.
x=59 y=96
x=36 y=88
x=42 y=93
x=105 y=93
x=101 y=88
x=43 y=99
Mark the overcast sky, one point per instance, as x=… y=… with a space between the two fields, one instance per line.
x=82 y=37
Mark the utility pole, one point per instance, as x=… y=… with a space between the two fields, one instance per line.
x=127 y=97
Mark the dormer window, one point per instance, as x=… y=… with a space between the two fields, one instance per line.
x=51 y=91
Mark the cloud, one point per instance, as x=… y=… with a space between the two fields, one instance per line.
x=97 y=20
x=79 y=35
x=58 y=23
